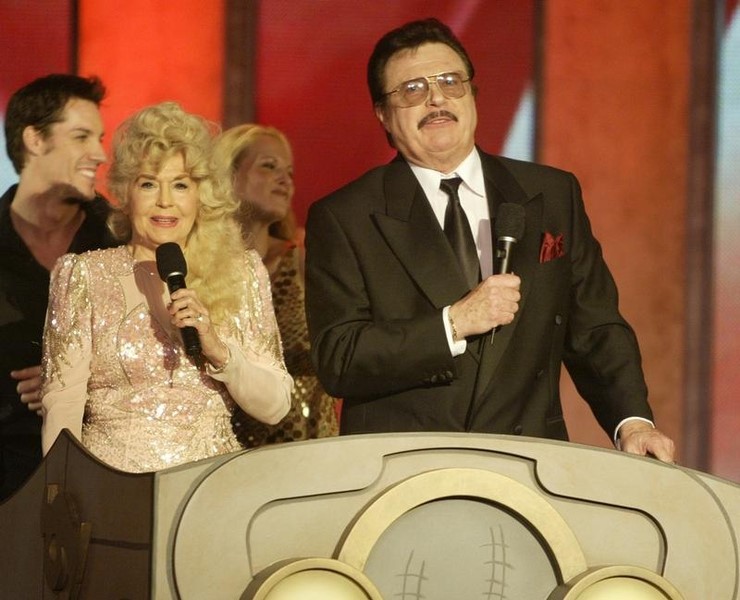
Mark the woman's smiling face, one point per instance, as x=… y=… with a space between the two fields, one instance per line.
x=162 y=207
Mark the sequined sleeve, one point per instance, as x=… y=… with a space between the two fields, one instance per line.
x=66 y=350
x=256 y=376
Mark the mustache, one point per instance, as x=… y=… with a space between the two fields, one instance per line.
x=436 y=115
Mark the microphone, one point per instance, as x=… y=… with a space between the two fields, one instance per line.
x=172 y=269
x=508 y=229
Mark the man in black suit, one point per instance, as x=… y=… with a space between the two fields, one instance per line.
x=404 y=335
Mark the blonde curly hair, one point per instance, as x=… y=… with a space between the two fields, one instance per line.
x=214 y=249
x=230 y=149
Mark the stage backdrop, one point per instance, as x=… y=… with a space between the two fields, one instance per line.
x=37 y=40
x=725 y=448
x=310 y=55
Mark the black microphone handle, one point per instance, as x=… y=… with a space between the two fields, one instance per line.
x=190 y=336
x=501 y=264
x=191 y=341
x=503 y=254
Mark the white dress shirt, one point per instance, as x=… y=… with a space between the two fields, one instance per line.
x=472 y=192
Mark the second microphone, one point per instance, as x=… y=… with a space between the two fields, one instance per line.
x=172 y=269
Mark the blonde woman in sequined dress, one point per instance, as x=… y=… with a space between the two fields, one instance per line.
x=115 y=371
x=258 y=161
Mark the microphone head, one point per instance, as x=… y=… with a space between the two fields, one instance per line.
x=509 y=222
x=170 y=260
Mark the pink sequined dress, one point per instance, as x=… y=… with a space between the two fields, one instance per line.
x=115 y=372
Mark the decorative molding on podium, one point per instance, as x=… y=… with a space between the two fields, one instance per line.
x=445 y=487
x=433 y=516
x=66 y=540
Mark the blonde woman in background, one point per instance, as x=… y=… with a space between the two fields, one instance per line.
x=115 y=370
x=258 y=162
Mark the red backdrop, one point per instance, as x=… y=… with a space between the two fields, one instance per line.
x=36 y=40
x=311 y=77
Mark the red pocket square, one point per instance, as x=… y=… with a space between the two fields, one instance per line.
x=552 y=247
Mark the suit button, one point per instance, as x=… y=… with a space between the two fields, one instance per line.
x=540 y=373
x=434 y=379
x=558 y=319
x=448 y=375
x=518 y=430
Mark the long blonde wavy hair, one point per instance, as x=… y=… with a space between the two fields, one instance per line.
x=214 y=249
x=230 y=149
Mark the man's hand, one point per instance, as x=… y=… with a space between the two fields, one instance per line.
x=29 y=387
x=639 y=437
x=494 y=302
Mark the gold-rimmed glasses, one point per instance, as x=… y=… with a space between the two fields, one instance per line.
x=415 y=91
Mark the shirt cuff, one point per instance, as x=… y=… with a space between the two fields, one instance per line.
x=456 y=347
x=617 y=445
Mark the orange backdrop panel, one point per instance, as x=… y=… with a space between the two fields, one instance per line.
x=149 y=51
x=614 y=111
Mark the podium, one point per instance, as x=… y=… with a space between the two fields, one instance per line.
x=396 y=516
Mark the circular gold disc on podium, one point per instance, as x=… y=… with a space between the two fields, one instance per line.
x=312 y=579
x=618 y=582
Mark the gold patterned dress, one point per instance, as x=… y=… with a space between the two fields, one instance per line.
x=116 y=374
x=312 y=413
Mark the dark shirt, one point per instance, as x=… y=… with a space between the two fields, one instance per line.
x=24 y=295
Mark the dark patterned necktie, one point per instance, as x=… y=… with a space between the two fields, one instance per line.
x=458 y=232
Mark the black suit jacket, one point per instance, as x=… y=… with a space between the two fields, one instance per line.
x=380 y=271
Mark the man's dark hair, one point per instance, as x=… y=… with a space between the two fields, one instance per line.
x=40 y=104
x=410 y=35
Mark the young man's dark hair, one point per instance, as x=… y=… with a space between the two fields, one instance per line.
x=40 y=104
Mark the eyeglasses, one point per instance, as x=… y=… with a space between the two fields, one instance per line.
x=415 y=91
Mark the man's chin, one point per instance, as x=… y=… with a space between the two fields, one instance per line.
x=74 y=194
x=87 y=193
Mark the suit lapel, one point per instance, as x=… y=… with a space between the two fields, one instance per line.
x=410 y=228
x=501 y=186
